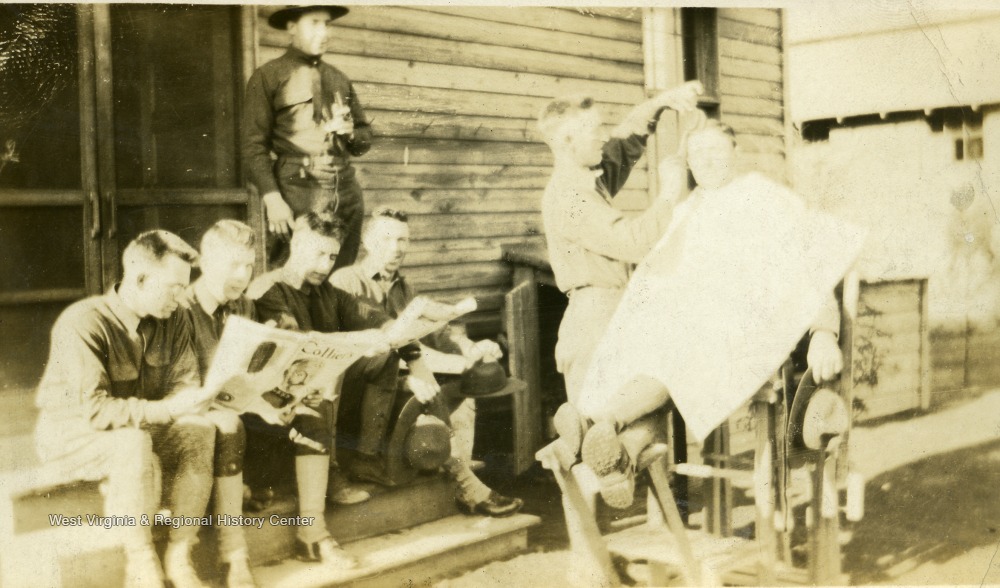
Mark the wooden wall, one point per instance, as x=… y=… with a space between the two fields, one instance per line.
x=750 y=85
x=453 y=93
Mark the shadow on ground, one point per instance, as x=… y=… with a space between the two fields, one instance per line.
x=932 y=510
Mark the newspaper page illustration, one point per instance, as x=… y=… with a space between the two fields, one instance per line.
x=270 y=371
x=720 y=302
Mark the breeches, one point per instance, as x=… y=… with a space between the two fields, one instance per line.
x=341 y=195
x=584 y=323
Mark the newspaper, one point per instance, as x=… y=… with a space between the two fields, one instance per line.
x=721 y=300
x=270 y=371
x=423 y=316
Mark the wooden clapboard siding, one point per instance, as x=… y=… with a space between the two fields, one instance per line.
x=575 y=21
x=416 y=48
x=453 y=94
x=632 y=15
x=889 y=343
x=750 y=85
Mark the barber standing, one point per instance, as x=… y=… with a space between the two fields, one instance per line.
x=305 y=111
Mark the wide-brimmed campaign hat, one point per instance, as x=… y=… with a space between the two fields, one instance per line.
x=281 y=18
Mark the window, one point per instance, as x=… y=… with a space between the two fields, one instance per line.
x=701 y=55
x=965 y=127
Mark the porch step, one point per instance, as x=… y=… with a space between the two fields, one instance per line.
x=414 y=557
x=430 y=497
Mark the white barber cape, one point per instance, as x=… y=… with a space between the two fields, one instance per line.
x=722 y=299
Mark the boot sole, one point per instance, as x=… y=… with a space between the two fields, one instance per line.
x=604 y=454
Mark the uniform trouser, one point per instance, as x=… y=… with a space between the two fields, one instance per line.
x=339 y=193
x=368 y=394
x=186 y=449
x=584 y=323
x=123 y=458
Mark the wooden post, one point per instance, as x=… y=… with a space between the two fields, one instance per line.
x=925 y=350
x=521 y=324
x=668 y=506
x=663 y=64
x=584 y=534
x=763 y=473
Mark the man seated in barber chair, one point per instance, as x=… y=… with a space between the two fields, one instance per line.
x=609 y=433
x=377 y=281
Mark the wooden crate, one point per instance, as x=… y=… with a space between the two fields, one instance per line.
x=890 y=367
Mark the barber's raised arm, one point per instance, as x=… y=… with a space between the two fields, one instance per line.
x=607 y=231
x=683 y=98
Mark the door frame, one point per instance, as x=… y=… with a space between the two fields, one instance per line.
x=110 y=198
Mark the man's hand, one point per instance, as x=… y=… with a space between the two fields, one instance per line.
x=490 y=350
x=683 y=98
x=673 y=177
x=189 y=401
x=473 y=351
x=313 y=400
x=824 y=357
x=423 y=390
x=279 y=215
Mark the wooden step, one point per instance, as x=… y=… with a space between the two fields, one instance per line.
x=388 y=511
x=414 y=557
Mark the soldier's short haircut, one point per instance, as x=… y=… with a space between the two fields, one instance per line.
x=229 y=232
x=715 y=125
x=383 y=212
x=154 y=247
x=558 y=110
x=323 y=223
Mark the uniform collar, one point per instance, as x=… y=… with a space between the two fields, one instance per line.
x=122 y=312
x=302 y=57
x=204 y=299
x=375 y=273
x=297 y=282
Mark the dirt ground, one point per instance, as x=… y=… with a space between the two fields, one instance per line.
x=932 y=514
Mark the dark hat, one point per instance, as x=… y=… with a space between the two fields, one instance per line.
x=428 y=443
x=483 y=378
x=281 y=18
x=816 y=412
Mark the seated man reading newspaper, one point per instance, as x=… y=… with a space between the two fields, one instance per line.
x=376 y=279
x=120 y=388
x=226 y=262
x=709 y=314
x=291 y=374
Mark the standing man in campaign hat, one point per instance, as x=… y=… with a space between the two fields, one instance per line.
x=304 y=112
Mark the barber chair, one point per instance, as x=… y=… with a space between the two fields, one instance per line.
x=799 y=428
